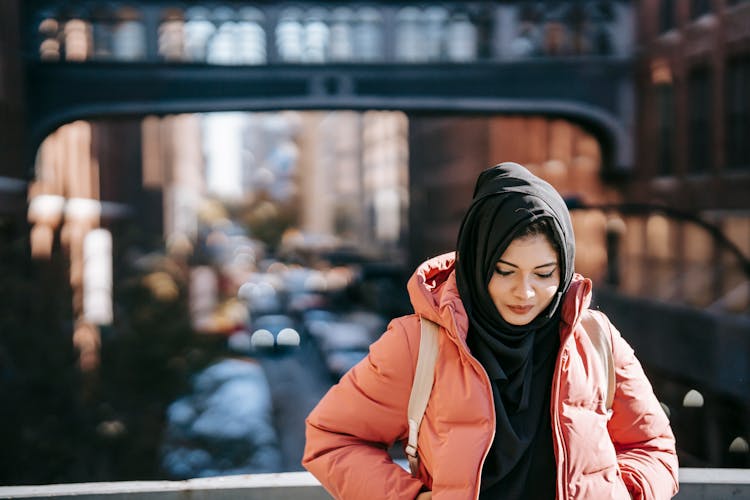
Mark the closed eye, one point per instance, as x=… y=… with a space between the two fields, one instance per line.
x=503 y=273
x=548 y=275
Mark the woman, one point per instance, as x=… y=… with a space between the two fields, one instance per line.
x=517 y=408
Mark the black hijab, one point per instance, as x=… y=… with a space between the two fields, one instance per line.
x=519 y=359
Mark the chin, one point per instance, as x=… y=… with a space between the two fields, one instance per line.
x=516 y=320
x=519 y=323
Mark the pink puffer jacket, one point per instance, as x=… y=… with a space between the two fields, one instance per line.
x=599 y=456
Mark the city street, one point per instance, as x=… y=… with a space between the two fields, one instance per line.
x=298 y=380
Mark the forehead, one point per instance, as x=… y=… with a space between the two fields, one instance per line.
x=530 y=249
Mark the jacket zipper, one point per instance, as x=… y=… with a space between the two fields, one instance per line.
x=478 y=366
x=562 y=479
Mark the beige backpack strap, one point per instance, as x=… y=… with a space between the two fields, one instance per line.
x=424 y=376
x=601 y=338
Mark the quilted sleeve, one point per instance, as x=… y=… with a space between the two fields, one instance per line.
x=640 y=429
x=349 y=431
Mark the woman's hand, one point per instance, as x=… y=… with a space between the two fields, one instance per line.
x=425 y=495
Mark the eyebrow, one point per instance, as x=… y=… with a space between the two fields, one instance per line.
x=537 y=267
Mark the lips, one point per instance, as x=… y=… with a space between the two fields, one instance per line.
x=520 y=309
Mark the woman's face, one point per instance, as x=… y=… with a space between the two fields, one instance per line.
x=525 y=280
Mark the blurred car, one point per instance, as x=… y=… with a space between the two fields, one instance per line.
x=263 y=294
x=340 y=362
x=224 y=426
x=274 y=333
x=342 y=343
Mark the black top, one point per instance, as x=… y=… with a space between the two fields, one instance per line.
x=519 y=359
x=535 y=474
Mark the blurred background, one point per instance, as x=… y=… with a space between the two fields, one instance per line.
x=209 y=210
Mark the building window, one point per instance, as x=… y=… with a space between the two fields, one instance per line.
x=665 y=129
x=666 y=15
x=738 y=113
x=699 y=125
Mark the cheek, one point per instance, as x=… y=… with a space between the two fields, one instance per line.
x=497 y=290
x=548 y=292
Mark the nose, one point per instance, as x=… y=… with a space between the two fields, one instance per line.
x=523 y=289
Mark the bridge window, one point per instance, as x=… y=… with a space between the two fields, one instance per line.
x=700 y=129
x=222 y=46
x=463 y=38
x=103 y=21
x=590 y=28
x=290 y=36
x=222 y=36
x=433 y=42
x=369 y=44
x=562 y=29
x=601 y=22
x=49 y=46
x=63 y=34
x=198 y=31
x=341 y=35
x=251 y=36
x=317 y=36
x=129 y=37
x=77 y=35
x=523 y=23
x=738 y=113
x=410 y=39
x=435 y=34
x=118 y=35
x=171 y=35
x=556 y=38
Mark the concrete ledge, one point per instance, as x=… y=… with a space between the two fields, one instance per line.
x=714 y=484
x=704 y=484
x=287 y=485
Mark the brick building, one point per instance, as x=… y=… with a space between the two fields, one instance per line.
x=693 y=76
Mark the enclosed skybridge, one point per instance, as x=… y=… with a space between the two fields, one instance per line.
x=572 y=59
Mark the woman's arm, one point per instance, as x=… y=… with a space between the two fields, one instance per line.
x=350 y=429
x=640 y=430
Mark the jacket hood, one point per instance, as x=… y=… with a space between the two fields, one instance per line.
x=434 y=295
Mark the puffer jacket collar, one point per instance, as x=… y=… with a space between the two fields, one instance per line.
x=434 y=295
